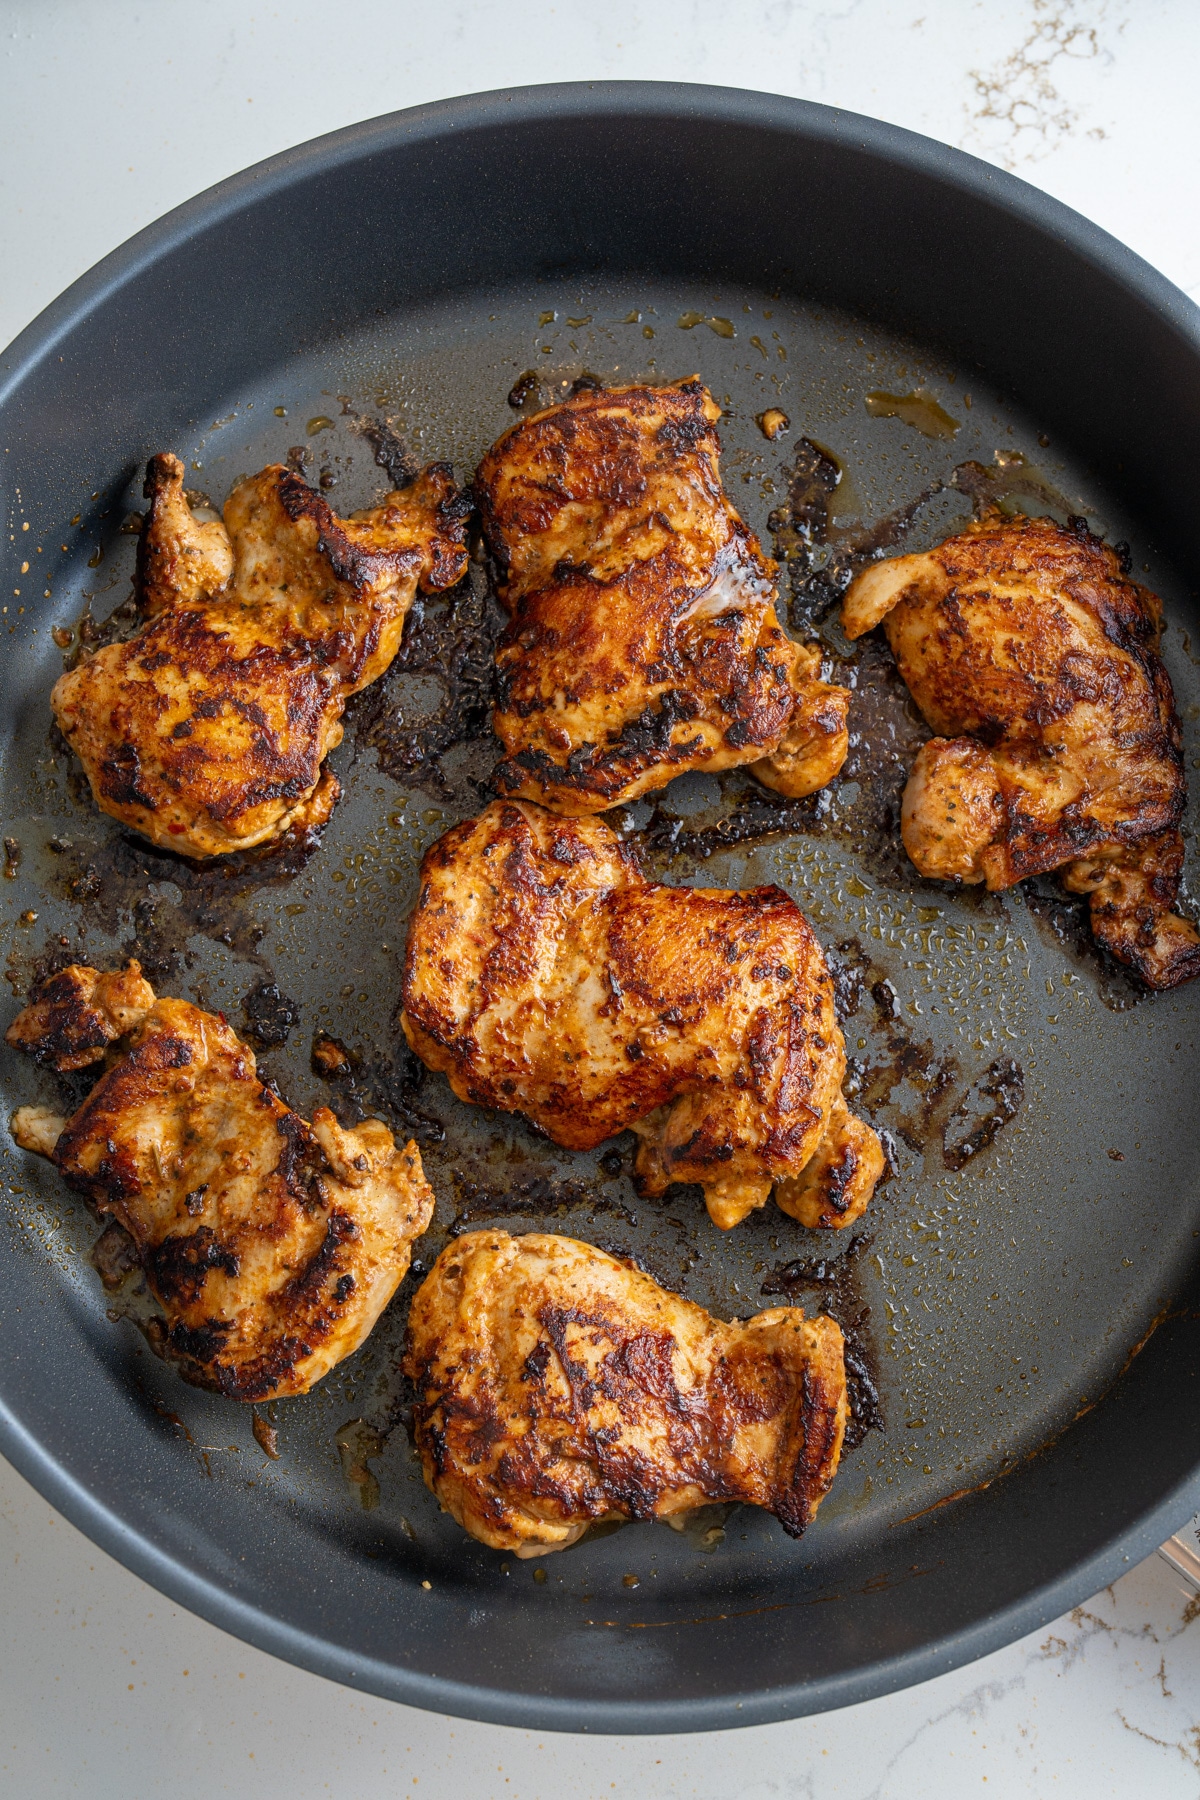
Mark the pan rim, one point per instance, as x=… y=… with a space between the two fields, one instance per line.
x=491 y=1705
x=453 y=118
x=552 y=100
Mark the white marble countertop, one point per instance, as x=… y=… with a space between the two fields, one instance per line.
x=109 y=115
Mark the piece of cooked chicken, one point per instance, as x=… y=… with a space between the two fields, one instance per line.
x=643 y=638
x=557 y=1386
x=545 y=975
x=207 y=729
x=1035 y=658
x=271 y=1245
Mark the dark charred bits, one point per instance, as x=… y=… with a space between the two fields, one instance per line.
x=989 y=1102
x=838 y=1281
x=269 y=1015
x=524 y=388
x=1064 y=919
x=905 y=1063
x=886 y=1002
x=541 y=1196
x=447 y=657
x=804 y=522
x=754 y=816
x=27 y=971
x=391 y=453
x=86 y=636
x=849 y=966
x=823 y=558
x=377 y=1086
x=109 y=881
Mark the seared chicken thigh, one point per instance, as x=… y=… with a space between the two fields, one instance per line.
x=556 y=1387
x=643 y=638
x=545 y=975
x=271 y=1245
x=206 y=730
x=1035 y=659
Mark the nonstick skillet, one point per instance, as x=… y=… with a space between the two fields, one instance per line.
x=1021 y=1299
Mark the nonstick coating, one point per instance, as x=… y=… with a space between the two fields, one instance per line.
x=408 y=271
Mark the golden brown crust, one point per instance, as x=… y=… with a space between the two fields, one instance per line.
x=815 y=744
x=545 y=975
x=1035 y=659
x=74 y=1015
x=206 y=731
x=1132 y=889
x=557 y=1386
x=181 y=558
x=271 y=1245
x=36 y=1128
x=835 y=1186
x=952 y=811
x=643 y=638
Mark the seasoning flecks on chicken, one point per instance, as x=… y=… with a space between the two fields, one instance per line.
x=557 y=1387
x=1036 y=660
x=643 y=638
x=206 y=731
x=545 y=975
x=271 y=1245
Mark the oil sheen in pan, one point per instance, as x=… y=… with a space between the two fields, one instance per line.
x=972 y=1020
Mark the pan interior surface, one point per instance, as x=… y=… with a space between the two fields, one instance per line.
x=1039 y=1224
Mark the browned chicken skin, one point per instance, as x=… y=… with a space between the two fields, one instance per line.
x=643 y=638
x=1035 y=659
x=206 y=730
x=545 y=975
x=556 y=1387
x=271 y=1245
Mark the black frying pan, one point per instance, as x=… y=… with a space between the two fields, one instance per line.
x=369 y=300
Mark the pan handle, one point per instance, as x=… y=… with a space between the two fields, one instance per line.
x=1183 y=1553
